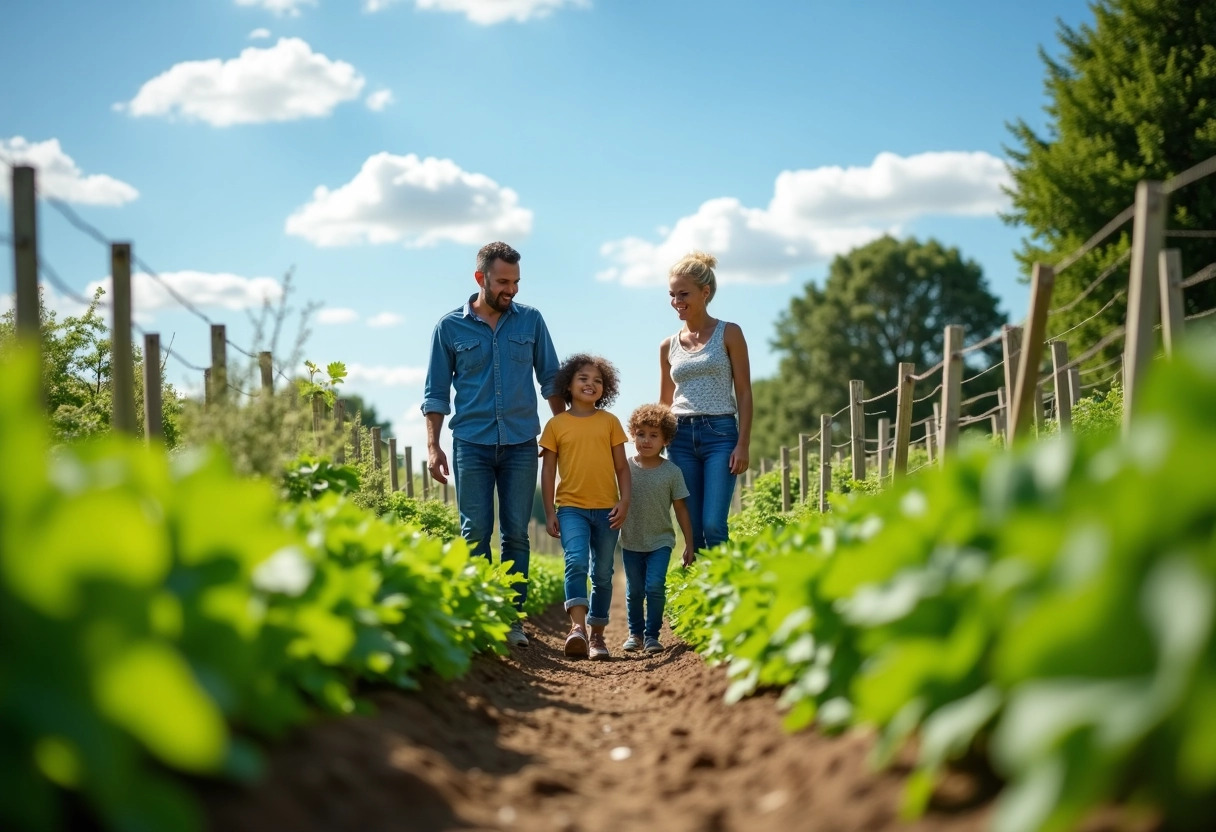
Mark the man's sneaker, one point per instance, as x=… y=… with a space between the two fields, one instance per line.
x=632 y=643
x=576 y=643
x=515 y=635
x=599 y=649
x=653 y=646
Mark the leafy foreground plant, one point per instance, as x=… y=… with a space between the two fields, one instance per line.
x=163 y=615
x=1053 y=608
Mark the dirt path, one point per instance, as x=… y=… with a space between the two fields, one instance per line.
x=539 y=742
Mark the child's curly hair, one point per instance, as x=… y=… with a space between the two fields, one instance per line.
x=654 y=416
x=570 y=368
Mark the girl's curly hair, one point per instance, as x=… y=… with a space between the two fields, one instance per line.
x=570 y=368
x=654 y=416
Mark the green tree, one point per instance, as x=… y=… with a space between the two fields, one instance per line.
x=1131 y=97
x=883 y=303
x=76 y=374
x=371 y=419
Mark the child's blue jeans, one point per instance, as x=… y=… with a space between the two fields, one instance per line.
x=646 y=583
x=589 y=543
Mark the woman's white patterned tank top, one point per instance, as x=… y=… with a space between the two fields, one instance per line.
x=703 y=379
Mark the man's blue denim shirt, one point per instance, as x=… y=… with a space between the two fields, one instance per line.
x=491 y=370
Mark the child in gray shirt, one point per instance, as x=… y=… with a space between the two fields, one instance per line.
x=647 y=537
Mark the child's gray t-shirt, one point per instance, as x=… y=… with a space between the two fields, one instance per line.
x=648 y=523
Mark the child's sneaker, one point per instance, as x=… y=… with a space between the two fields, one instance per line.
x=653 y=646
x=632 y=643
x=599 y=649
x=576 y=643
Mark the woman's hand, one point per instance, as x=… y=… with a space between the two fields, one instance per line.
x=739 y=459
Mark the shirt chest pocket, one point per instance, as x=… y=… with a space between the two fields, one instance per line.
x=521 y=347
x=470 y=357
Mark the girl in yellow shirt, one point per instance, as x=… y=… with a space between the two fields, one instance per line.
x=585 y=488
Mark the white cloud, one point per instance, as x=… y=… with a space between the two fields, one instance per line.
x=59 y=177
x=337 y=315
x=419 y=202
x=283 y=82
x=488 y=12
x=384 y=319
x=259 y=34
x=378 y=100
x=222 y=290
x=815 y=215
x=387 y=376
x=288 y=8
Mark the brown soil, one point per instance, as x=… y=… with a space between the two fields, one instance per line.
x=535 y=742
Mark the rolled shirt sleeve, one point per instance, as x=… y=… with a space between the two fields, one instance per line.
x=437 y=392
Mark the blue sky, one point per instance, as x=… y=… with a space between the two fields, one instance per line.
x=373 y=145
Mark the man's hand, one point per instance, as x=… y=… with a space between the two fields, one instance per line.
x=437 y=464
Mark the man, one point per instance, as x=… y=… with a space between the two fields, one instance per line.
x=489 y=349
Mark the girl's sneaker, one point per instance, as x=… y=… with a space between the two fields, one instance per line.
x=599 y=648
x=632 y=643
x=653 y=646
x=576 y=643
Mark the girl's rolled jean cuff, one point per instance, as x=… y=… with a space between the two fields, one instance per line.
x=592 y=621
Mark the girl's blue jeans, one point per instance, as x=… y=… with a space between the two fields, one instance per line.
x=702 y=449
x=589 y=544
x=646 y=586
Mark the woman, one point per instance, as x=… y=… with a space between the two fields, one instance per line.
x=706 y=380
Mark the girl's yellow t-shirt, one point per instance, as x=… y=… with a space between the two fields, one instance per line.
x=586 y=477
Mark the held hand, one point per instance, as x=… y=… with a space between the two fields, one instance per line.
x=739 y=459
x=437 y=464
x=616 y=517
x=553 y=527
x=689 y=556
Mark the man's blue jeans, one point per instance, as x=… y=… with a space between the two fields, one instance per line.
x=511 y=470
x=702 y=449
x=589 y=543
x=646 y=585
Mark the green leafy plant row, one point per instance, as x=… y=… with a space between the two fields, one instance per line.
x=159 y=614
x=1053 y=608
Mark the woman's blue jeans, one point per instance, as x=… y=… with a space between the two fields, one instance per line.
x=646 y=585
x=702 y=449
x=589 y=543
x=511 y=470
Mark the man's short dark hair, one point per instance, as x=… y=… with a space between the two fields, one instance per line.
x=495 y=251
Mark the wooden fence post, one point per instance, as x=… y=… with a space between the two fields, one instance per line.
x=857 y=427
x=1041 y=282
x=356 y=440
x=1059 y=358
x=25 y=258
x=339 y=426
x=825 y=461
x=1148 y=232
x=804 y=469
x=931 y=440
x=884 y=447
x=1000 y=421
x=1169 y=275
x=903 y=416
x=1074 y=385
x=154 y=410
x=318 y=418
x=1011 y=347
x=426 y=481
x=952 y=389
x=392 y=464
x=219 y=363
x=1038 y=408
x=446 y=498
x=409 y=471
x=207 y=386
x=377 y=452
x=785 y=479
x=266 y=365
x=122 y=359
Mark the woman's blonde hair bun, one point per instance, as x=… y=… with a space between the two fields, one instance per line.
x=698 y=266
